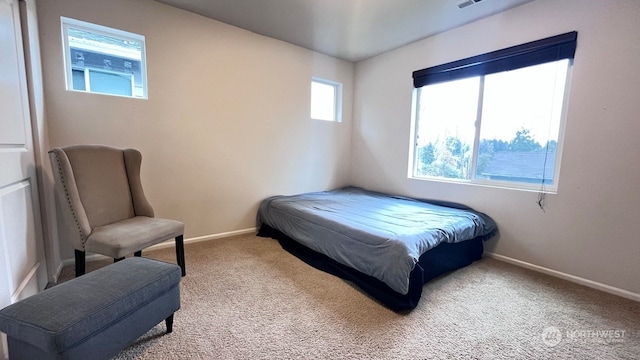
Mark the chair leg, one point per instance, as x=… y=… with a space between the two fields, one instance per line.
x=180 y=254
x=115 y=260
x=137 y=253
x=80 y=263
x=169 y=322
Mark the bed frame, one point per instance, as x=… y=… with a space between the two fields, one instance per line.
x=442 y=259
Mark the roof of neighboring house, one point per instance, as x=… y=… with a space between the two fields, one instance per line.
x=527 y=165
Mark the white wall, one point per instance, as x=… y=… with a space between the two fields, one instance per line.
x=227 y=124
x=41 y=136
x=227 y=119
x=590 y=228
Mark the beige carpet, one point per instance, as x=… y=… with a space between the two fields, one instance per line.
x=246 y=298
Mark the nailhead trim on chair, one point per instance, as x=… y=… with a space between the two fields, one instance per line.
x=66 y=192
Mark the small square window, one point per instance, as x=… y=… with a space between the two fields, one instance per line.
x=326 y=100
x=103 y=60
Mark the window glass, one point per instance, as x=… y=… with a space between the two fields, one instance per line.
x=326 y=100
x=446 y=138
x=111 y=83
x=78 y=79
x=520 y=124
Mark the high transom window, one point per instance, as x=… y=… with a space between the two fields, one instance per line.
x=326 y=100
x=103 y=60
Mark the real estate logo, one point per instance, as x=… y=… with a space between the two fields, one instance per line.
x=551 y=336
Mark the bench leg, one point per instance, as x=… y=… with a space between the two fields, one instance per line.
x=180 y=254
x=169 y=322
x=80 y=263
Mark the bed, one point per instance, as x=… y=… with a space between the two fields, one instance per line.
x=387 y=245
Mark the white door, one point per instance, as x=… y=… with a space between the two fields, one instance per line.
x=22 y=261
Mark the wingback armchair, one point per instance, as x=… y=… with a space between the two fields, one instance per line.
x=104 y=209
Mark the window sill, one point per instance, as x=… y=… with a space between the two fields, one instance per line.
x=547 y=189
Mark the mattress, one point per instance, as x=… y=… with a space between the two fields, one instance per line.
x=379 y=235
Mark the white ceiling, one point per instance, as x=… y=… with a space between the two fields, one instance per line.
x=353 y=30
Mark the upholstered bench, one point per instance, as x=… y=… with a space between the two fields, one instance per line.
x=96 y=315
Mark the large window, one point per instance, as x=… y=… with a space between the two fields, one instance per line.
x=103 y=60
x=496 y=118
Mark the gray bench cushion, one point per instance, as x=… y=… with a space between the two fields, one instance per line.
x=67 y=315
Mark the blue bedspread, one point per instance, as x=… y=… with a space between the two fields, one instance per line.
x=377 y=234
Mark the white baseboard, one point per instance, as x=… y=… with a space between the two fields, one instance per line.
x=29 y=285
x=575 y=279
x=170 y=243
x=56 y=276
